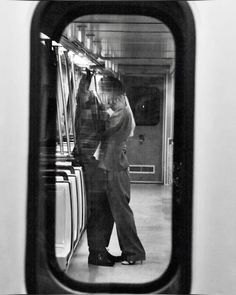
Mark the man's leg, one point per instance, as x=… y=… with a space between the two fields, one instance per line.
x=100 y=221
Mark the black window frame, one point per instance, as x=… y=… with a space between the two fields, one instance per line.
x=42 y=272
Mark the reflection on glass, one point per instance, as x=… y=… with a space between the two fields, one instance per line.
x=95 y=135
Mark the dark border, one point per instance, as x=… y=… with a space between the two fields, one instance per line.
x=42 y=272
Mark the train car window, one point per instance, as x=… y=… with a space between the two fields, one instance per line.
x=111 y=147
x=146 y=104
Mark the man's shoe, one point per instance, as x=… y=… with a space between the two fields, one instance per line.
x=100 y=258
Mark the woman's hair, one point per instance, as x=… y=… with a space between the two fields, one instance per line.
x=111 y=84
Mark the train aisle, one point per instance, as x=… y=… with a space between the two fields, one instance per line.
x=151 y=204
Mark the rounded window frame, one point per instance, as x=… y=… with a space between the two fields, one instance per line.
x=42 y=272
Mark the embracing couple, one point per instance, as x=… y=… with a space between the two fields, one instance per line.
x=107 y=177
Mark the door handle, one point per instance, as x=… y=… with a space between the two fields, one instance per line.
x=141 y=138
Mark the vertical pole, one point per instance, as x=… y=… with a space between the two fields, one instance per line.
x=64 y=102
x=73 y=97
x=70 y=95
x=59 y=126
x=58 y=108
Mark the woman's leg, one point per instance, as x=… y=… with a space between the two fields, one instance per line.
x=119 y=197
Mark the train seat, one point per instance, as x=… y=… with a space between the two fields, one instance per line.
x=82 y=195
x=75 y=203
x=63 y=222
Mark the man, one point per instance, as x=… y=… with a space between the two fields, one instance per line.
x=91 y=118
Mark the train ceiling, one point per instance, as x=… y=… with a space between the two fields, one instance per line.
x=128 y=44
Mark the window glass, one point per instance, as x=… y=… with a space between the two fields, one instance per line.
x=83 y=101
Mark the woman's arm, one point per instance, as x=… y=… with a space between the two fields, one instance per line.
x=110 y=131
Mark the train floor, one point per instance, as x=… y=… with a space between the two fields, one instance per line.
x=151 y=204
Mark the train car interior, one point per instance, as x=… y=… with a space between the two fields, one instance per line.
x=141 y=51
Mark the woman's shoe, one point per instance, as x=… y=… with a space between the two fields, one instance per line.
x=131 y=262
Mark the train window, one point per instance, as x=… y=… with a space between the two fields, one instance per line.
x=146 y=104
x=110 y=83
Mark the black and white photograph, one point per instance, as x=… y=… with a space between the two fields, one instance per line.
x=118 y=147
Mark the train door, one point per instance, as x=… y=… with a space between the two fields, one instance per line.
x=146 y=149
